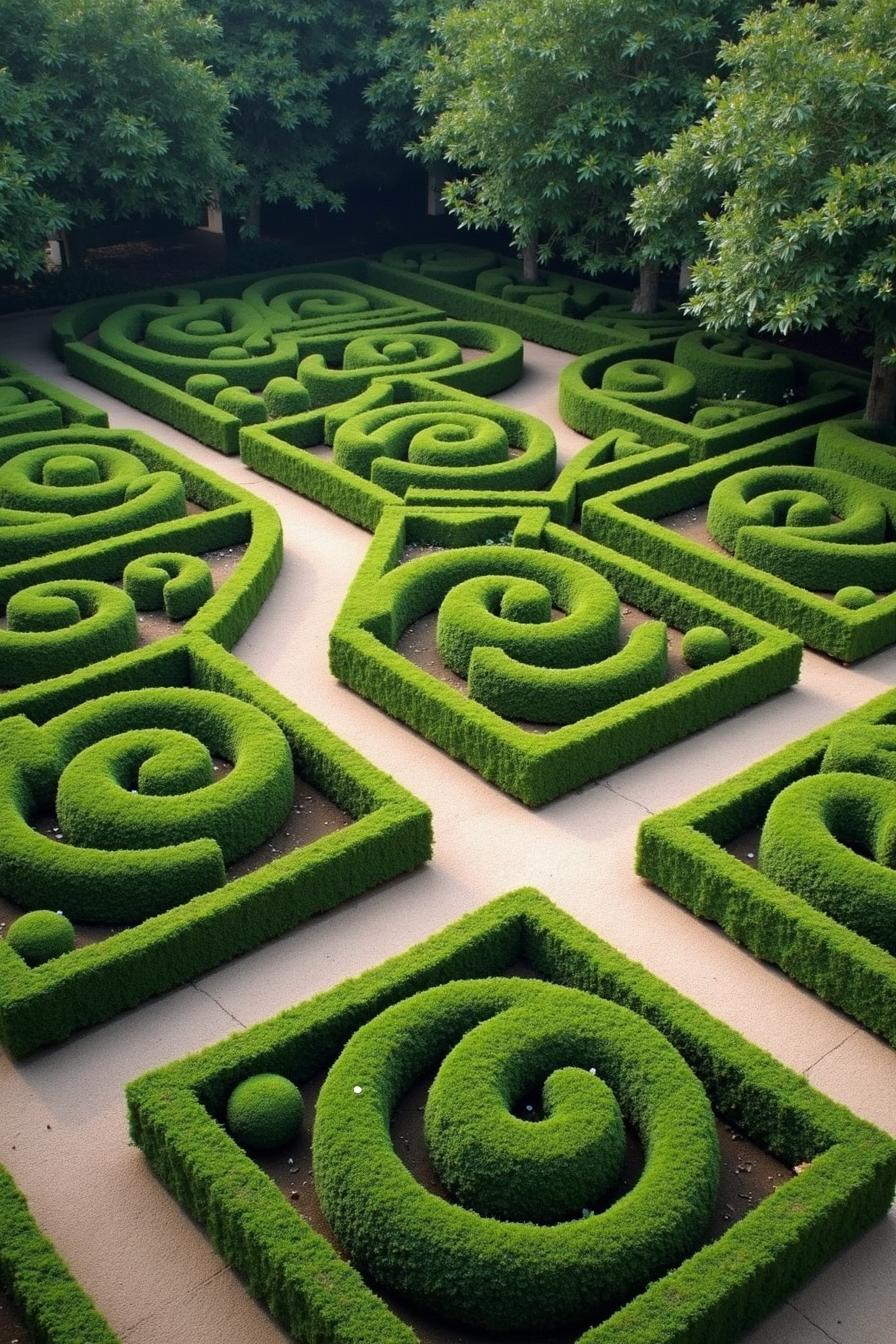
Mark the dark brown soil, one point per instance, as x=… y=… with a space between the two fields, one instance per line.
x=746 y=846
x=748 y=1175
x=12 y=1331
x=313 y=815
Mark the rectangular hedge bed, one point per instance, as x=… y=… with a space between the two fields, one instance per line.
x=30 y=403
x=390 y=834
x=839 y=454
x=637 y=715
x=55 y=1309
x=374 y=1035
x=840 y=779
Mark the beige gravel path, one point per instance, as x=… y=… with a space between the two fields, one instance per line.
x=62 y=1120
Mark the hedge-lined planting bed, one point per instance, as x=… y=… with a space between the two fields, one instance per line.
x=808 y=521
x=53 y=1306
x=87 y=508
x=493 y=585
x=602 y=1035
x=122 y=754
x=714 y=395
x=29 y=403
x=820 y=901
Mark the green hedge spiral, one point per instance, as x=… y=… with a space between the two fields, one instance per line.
x=512 y=1266
x=63 y=624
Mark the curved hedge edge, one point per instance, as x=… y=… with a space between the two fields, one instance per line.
x=533 y=324
x=391 y=835
x=713 y=1295
x=682 y=851
x=537 y=768
x=73 y=409
x=54 y=1307
x=626 y=521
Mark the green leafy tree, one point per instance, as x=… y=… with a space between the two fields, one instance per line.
x=796 y=162
x=107 y=110
x=289 y=68
x=547 y=106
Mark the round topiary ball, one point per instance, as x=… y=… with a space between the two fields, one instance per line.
x=265 y=1111
x=854 y=597
x=41 y=935
x=705 y=644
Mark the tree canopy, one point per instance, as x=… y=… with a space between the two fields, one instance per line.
x=797 y=162
x=107 y=110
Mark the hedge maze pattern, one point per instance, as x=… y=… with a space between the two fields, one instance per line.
x=607 y=1049
x=819 y=896
x=159 y=770
x=528 y=615
x=97 y=525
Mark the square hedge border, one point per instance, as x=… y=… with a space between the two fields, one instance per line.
x=682 y=852
x=627 y=521
x=391 y=834
x=231 y=516
x=47 y=406
x=55 y=1308
x=536 y=767
x=710 y=1298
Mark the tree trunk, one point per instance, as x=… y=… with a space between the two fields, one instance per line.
x=435 y=181
x=880 y=408
x=252 y=218
x=647 y=296
x=73 y=248
x=684 y=277
x=530 y=260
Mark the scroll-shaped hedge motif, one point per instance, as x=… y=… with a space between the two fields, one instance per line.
x=800 y=530
x=528 y=615
x=97 y=525
x=716 y=394
x=604 y=1050
x=247 y=350
x=129 y=792
x=29 y=403
x=54 y=1307
x=812 y=888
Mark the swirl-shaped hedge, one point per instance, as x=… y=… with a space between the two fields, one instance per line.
x=61 y=625
x=488 y=1261
x=146 y=821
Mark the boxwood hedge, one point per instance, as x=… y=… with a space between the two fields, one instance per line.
x=594 y=1029
x=493 y=585
x=123 y=754
x=801 y=522
x=52 y=1305
x=821 y=900
x=28 y=403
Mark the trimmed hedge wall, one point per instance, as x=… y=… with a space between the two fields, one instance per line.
x=86 y=508
x=808 y=508
x=657 y=1057
x=493 y=585
x=28 y=403
x=716 y=394
x=55 y=1309
x=817 y=904
x=73 y=743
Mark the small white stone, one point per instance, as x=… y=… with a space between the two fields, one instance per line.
x=357 y=1091
x=593 y=1072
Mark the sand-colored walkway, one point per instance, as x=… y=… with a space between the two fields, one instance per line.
x=62 y=1120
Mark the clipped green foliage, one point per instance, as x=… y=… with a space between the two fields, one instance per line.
x=804 y=526
x=705 y=644
x=452 y=263
x=609 y=1047
x=28 y=403
x=717 y=393
x=495 y=579
x=821 y=899
x=84 y=510
x=41 y=935
x=163 y=768
x=55 y=1309
x=265 y=1111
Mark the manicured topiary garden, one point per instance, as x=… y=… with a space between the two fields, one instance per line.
x=534 y=1226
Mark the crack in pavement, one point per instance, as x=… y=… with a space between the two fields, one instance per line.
x=183 y=1297
x=636 y=802
x=231 y=1015
x=848 y=1037
x=815 y=1325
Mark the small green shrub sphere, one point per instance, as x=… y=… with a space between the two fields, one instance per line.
x=705 y=644
x=204 y=326
x=41 y=935
x=265 y=1111
x=854 y=597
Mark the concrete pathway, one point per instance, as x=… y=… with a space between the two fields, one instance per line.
x=62 y=1119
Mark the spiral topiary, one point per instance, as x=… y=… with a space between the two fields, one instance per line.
x=55 y=627
x=265 y=1111
x=179 y=583
x=41 y=935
